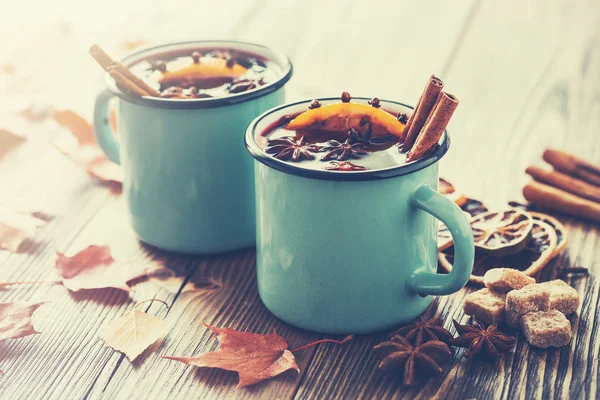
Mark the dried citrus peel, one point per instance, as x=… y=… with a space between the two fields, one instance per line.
x=208 y=67
x=540 y=249
x=343 y=116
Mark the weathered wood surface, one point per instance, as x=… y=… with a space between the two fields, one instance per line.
x=527 y=74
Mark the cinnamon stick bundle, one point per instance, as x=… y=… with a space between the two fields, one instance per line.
x=559 y=200
x=421 y=112
x=123 y=76
x=434 y=126
x=565 y=182
x=569 y=164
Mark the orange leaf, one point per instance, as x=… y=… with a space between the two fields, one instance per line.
x=254 y=357
x=15 y=319
x=80 y=146
x=133 y=332
x=77 y=125
x=16 y=227
x=95 y=268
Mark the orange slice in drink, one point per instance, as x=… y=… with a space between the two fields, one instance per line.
x=343 y=116
x=207 y=68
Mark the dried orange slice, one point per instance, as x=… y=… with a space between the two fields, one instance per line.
x=503 y=232
x=561 y=231
x=540 y=248
x=207 y=67
x=497 y=233
x=343 y=116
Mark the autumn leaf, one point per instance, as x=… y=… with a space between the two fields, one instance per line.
x=79 y=127
x=133 y=333
x=254 y=357
x=16 y=227
x=15 y=319
x=95 y=268
x=80 y=146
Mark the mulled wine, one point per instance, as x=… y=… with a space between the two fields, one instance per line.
x=349 y=136
x=205 y=73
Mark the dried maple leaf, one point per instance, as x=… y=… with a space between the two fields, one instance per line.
x=95 y=268
x=15 y=319
x=254 y=357
x=133 y=333
x=79 y=127
x=16 y=227
x=80 y=146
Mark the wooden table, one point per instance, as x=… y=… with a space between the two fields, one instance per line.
x=527 y=75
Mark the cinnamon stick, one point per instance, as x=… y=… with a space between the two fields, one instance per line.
x=569 y=164
x=559 y=200
x=125 y=83
x=421 y=112
x=106 y=62
x=434 y=127
x=565 y=182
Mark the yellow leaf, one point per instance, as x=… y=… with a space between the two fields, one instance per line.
x=133 y=333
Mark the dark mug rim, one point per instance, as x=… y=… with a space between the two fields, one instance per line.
x=385 y=173
x=186 y=104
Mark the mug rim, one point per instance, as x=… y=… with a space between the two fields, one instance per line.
x=261 y=156
x=211 y=102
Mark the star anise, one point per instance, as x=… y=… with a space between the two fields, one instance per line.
x=428 y=358
x=477 y=338
x=362 y=133
x=343 y=151
x=425 y=330
x=344 y=166
x=286 y=148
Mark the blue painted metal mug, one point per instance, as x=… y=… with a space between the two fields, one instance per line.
x=188 y=181
x=352 y=252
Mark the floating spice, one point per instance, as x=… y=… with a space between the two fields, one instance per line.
x=288 y=148
x=343 y=151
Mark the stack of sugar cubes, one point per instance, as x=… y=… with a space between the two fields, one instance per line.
x=514 y=298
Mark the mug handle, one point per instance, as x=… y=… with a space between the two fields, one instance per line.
x=104 y=135
x=425 y=282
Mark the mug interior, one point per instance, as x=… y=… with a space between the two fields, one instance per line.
x=255 y=144
x=281 y=65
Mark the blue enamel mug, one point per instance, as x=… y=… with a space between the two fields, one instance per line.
x=352 y=252
x=188 y=181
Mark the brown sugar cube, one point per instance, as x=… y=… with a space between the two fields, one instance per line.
x=546 y=328
x=506 y=279
x=563 y=297
x=486 y=305
x=530 y=298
